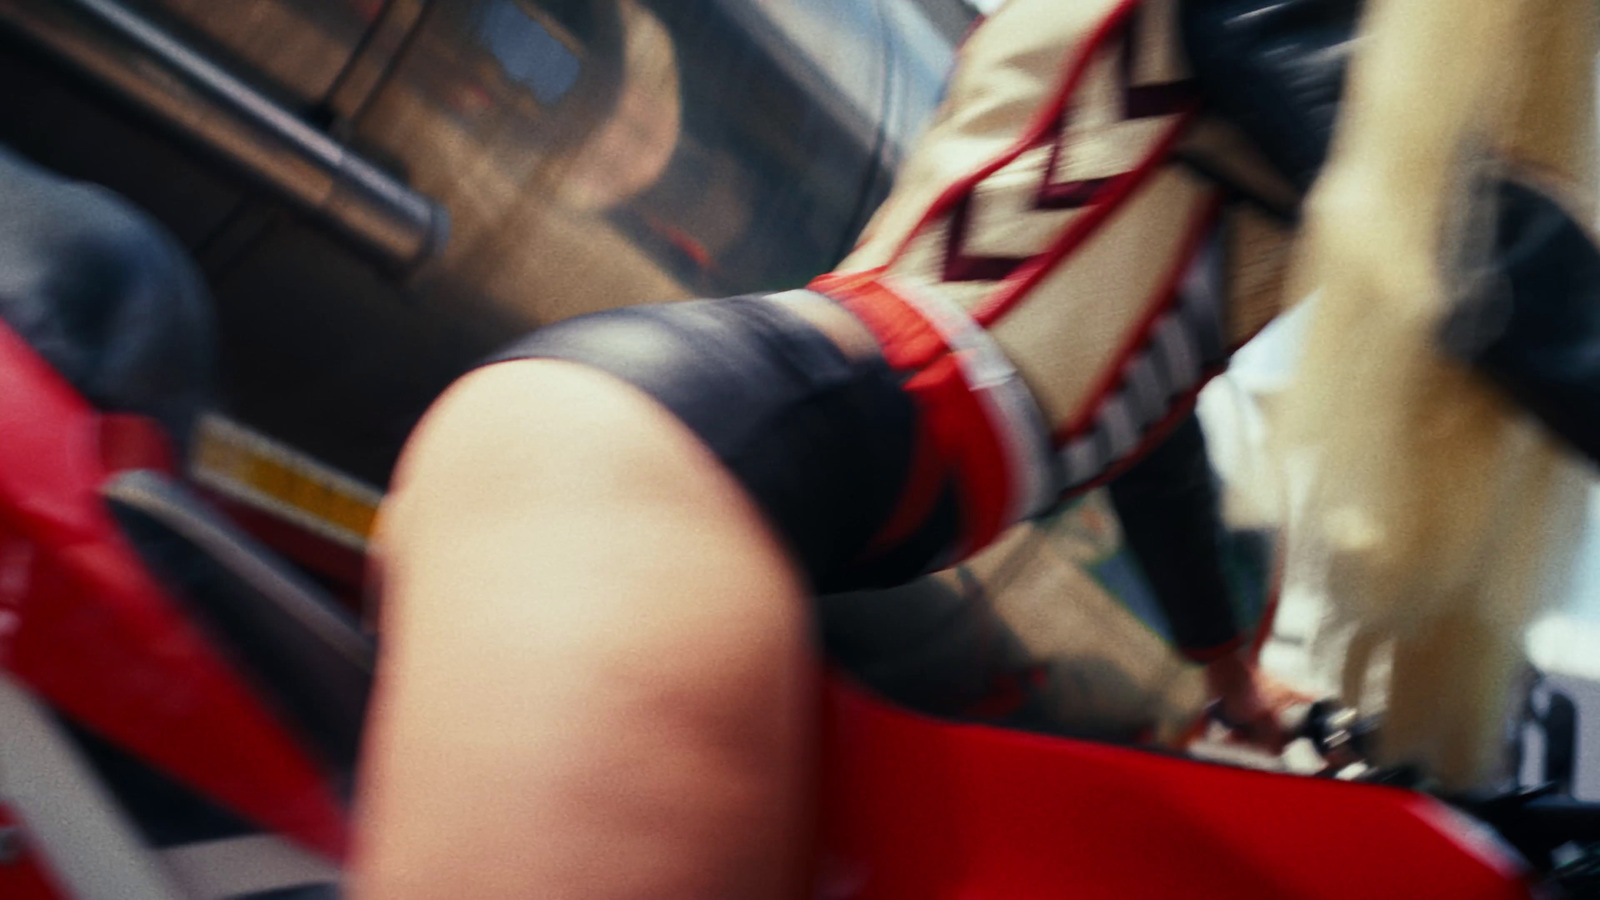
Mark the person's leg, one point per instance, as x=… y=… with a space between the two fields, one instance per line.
x=595 y=658
x=595 y=679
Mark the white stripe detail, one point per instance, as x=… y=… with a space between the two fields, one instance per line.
x=1187 y=337
x=1012 y=412
x=83 y=837
x=798 y=295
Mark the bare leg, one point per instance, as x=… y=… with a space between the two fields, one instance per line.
x=596 y=679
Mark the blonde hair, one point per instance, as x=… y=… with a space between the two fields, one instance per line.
x=1436 y=501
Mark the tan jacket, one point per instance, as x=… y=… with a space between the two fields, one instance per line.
x=1072 y=199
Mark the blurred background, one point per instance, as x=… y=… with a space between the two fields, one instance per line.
x=380 y=192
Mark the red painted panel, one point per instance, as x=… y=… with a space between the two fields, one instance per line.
x=84 y=625
x=914 y=808
x=23 y=875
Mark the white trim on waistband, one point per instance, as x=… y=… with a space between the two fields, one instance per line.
x=1004 y=396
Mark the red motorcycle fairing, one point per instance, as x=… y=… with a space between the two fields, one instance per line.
x=23 y=876
x=916 y=808
x=85 y=626
x=911 y=807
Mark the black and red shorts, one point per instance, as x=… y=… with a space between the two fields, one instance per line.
x=825 y=443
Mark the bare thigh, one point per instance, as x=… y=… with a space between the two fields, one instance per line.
x=595 y=678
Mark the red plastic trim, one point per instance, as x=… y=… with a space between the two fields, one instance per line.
x=135 y=442
x=916 y=808
x=91 y=632
x=954 y=428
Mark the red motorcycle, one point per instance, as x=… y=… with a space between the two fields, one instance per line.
x=180 y=714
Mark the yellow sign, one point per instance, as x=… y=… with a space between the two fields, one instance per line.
x=253 y=469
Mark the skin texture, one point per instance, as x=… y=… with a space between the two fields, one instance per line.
x=596 y=677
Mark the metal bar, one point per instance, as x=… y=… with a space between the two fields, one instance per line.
x=145 y=65
x=249 y=866
x=79 y=830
